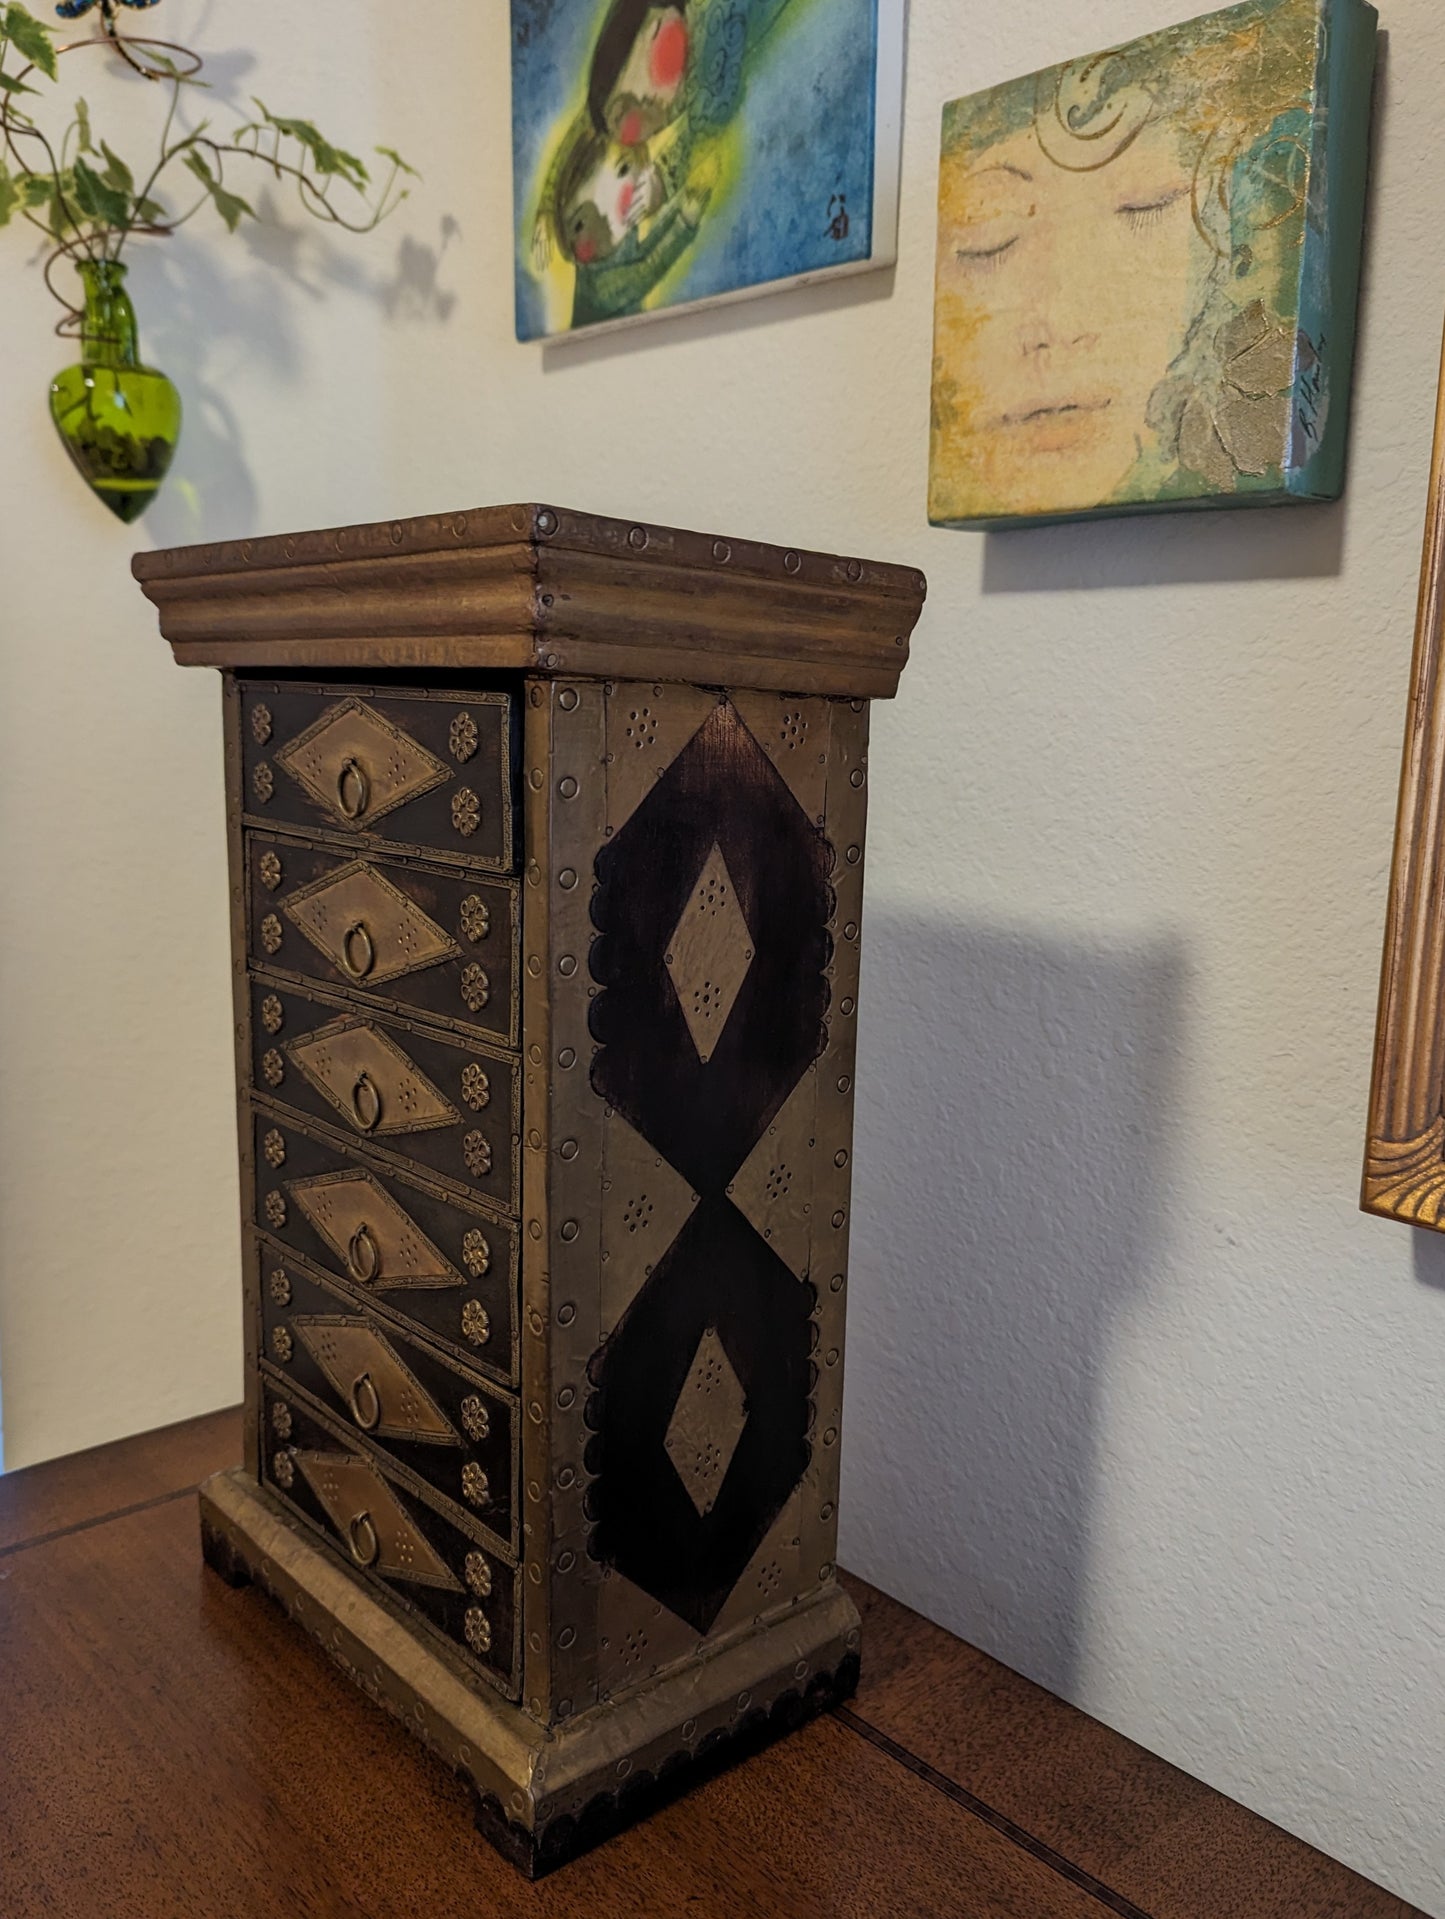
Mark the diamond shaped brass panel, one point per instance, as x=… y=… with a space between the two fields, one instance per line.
x=358 y=765
x=376 y=1241
x=383 y=1395
x=372 y=1521
x=707 y=1422
x=370 y=1079
x=773 y=1188
x=644 y=1205
x=368 y=928
x=709 y=954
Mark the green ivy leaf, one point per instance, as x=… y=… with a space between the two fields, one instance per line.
x=117 y=173
x=97 y=200
x=82 y=121
x=43 y=196
x=229 y=205
x=9 y=84
x=390 y=153
x=30 y=39
x=151 y=213
x=325 y=157
x=9 y=195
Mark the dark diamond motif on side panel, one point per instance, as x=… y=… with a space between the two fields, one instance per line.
x=711 y=912
x=701 y=1415
x=718 y=862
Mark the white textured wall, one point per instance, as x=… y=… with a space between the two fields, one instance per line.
x=1137 y=1399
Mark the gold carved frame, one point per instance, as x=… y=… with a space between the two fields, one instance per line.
x=1405 y=1148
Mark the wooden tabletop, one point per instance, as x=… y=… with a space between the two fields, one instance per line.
x=175 y=1748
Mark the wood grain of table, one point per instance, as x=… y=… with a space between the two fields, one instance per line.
x=173 y=1748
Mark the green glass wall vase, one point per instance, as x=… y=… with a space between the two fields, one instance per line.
x=118 y=419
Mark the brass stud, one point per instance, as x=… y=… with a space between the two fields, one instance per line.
x=567 y=699
x=476 y=1254
x=478 y=1575
x=476 y=1322
x=478 y=1630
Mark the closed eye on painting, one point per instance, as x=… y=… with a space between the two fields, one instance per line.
x=985 y=259
x=1143 y=214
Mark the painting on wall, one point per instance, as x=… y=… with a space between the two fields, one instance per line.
x=1148 y=262
x=668 y=153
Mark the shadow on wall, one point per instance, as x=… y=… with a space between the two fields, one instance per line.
x=1012 y=1150
x=1177 y=549
x=234 y=304
x=1429 y=1257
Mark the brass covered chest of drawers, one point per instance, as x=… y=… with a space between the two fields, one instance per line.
x=546 y=859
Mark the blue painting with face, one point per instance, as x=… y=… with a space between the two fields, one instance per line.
x=672 y=151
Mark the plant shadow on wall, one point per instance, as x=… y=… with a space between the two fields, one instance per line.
x=1013 y=1150
x=212 y=314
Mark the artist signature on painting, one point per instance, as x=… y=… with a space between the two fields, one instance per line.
x=838 y=223
x=1312 y=399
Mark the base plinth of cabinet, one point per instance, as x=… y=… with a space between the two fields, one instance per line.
x=544 y=1794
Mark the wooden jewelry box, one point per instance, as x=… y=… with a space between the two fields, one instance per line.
x=546 y=851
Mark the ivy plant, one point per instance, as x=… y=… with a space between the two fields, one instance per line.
x=89 y=201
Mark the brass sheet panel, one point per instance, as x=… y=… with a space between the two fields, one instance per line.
x=773 y=1188
x=707 y=1422
x=385 y=1396
x=647 y=727
x=374 y=1085
x=368 y=1515
x=647 y=1203
x=709 y=954
x=366 y=926
x=772 y=1576
x=637 y=1636
x=359 y=765
x=379 y=1244
x=793 y=732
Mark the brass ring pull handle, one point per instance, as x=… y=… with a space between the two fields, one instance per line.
x=362 y=1537
x=365 y=1403
x=366 y=1102
x=356 y=935
x=353 y=789
x=363 y=1255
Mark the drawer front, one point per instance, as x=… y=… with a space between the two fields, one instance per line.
x=383 y=1531
x=453 y=1432
x=450 y=1271
x=411 y=938
x=382 y=768
x=446 y=1105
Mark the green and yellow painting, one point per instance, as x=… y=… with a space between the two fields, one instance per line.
x=1147 y=272
x=670 y=152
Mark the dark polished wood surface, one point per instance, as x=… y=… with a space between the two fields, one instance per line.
x=175 y=1748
